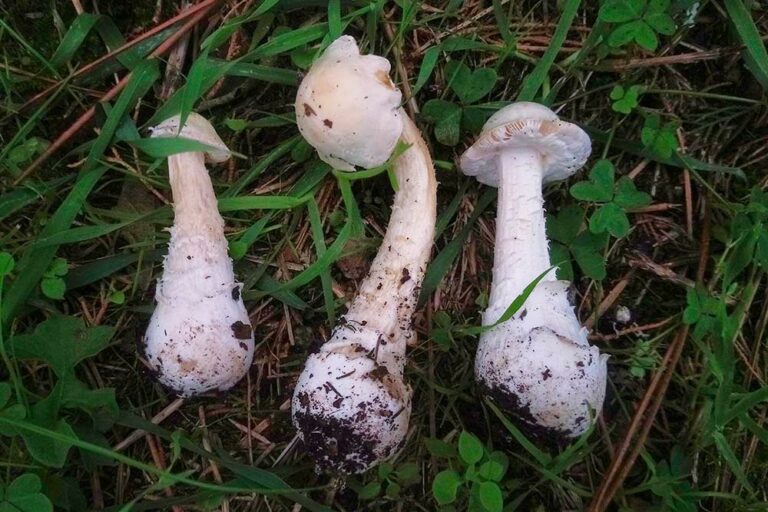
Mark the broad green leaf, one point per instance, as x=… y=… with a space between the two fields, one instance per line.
x=62 y=342
x=627 y=195
x=369 y=491
x=609 y=217
x=491 y=470
x=645 y=36
x=470 y=448
x=661 y=23
x=473 y=118
x=490 y=497
x=436 y=447
x=620 y=11
x=624 y=34
x=566 y=224
x=407 y=473
x=470 y=86
x=447 y=119
x=560 y=256
x=445 y=486
x=24 y=495
x=6 y=264
x=53 y=287
x=740 y=256
x=48 y=450
x=587 y=250
x=599 y=188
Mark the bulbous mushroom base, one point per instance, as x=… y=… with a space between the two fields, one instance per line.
x=200 y=347
x=351 y=406
x=548 y=377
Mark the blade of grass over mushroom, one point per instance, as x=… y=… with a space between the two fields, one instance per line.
x=532 y=83
x=513 y=308
x=443 y=262
x=35 y=261
x=541 y=457
x=354 y=220
x=755 y=54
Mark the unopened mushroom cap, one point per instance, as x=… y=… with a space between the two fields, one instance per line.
x=196 y=128
x=564 y=147
x=348 y=108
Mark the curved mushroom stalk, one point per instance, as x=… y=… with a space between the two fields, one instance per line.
x=538 y=365
x=199 y=337
x=351 y=405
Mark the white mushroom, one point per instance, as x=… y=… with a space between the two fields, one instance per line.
x=538 y=365
x=351 y=405
x=199 y=337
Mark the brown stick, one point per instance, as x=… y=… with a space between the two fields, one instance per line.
x=114 y=91
x=642 y=422
x=206 y=4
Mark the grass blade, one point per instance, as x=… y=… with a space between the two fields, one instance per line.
x=535 y=79
x=755 y=55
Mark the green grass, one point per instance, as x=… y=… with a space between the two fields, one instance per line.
x=691 y=135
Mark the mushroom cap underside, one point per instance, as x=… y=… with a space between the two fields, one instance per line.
x=564 y=147
x=347 y=107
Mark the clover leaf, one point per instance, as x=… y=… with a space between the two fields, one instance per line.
x=637 y=20
x=470 y=86
x=23 y=495
x=570 y=241
x=450 y=118
x=625 y=100
x=614 y=199
x=659 y=138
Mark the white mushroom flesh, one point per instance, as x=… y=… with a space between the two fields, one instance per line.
x=538 y=365
x=351 y=405
x=199 y=337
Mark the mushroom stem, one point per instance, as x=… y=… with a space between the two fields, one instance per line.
x=392 y=285
x=195 y=208
x=522 y=249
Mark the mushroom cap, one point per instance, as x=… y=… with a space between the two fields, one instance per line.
x=564 y=147
x=196 y=128
x=348 y=108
